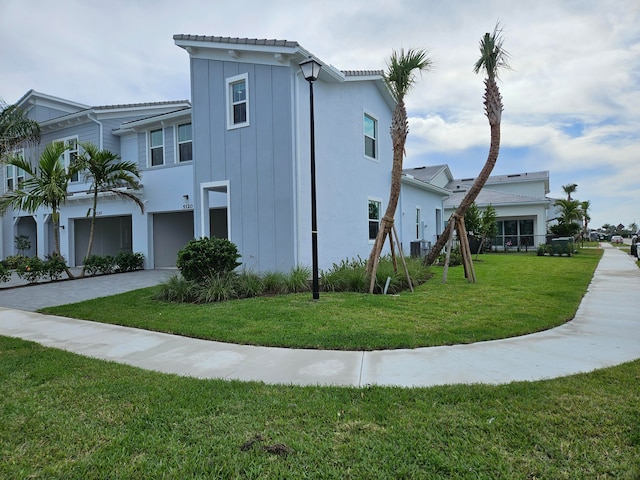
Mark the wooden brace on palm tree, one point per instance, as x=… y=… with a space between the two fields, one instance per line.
x=399 y=78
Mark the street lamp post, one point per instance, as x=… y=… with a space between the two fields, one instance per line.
x=311 y=69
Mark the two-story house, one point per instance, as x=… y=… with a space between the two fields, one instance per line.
x=235 y=162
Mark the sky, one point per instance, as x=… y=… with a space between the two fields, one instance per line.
x=571 y=97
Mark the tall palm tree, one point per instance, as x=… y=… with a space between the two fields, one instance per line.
x=493 y=57
x=45 y=186
x=585 y=206
x=16 y=129
x=569 y=189
x=106 y=173
x=399 y=77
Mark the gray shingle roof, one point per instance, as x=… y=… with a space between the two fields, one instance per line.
x=236 y=40
x=136 y=105
x=362 y=73
x=493 y=197
x=426 y=174
x=515 y=177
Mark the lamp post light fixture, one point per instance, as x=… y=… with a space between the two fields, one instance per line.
x=311 y=69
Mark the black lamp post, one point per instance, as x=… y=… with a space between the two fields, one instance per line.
x=311 y=69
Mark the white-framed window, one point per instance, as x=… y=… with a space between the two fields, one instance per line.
x=375 y=215
x=70 y=155
x=14 y=176
x=370 y=136
x=185 y=143
x=238 y=101
x=156 y=147
x=418 y=224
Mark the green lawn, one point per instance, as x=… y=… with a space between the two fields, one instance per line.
x=516 y=294
x=64 y=416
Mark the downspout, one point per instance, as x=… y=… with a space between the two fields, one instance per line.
x=101 y=130
x=295 y=115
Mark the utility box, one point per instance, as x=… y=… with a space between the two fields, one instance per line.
x=562 y=245
x=420 y=248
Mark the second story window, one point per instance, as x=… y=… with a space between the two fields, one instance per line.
x=156 y=147
x=237 y=101
x=185 y=144
x=70 y=155
x=13 y=177
x=370 y=136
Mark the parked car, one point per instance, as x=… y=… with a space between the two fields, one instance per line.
x=616 y=239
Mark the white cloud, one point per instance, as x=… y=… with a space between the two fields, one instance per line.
x=571 y=100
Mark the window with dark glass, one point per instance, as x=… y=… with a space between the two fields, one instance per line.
x=374 y=218
x=156 y=144
x=370 y=136
x=185 y=143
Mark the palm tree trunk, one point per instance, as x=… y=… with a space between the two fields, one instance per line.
x=399 y=131
x=493 y=108
x=92 y=230
x=55 y=216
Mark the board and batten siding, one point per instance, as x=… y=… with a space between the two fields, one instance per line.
x=256 y=160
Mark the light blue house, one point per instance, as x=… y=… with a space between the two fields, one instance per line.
x=120 y=225
x=251 y=145
x=234 y=162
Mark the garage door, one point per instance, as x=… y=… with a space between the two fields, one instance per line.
x=171 y=232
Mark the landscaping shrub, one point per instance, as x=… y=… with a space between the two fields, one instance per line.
x=351 y=275
x=249 y=284
x=31 y=269
x=13 y=261
x=129 y=261
x=274 y=283
x=54 y=266
x=95 y=264
x=455 y=258
x=346 y=276
x=217 y=288
x=207 y=257
x=177 y=289
x=298 y=280
x=5 y=274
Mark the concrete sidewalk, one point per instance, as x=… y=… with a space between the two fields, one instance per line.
x=605 y=332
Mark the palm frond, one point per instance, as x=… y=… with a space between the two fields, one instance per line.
x=493 y=56
x=400 y=75
x=16 y=129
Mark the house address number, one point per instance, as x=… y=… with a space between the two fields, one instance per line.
x=187 y=206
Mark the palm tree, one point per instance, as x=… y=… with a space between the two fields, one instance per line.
x=46 y=186
x=16 y=129
x=569 y=189
x=106 y=173
x=493 y=57
x=584 y=207
x=399 y=78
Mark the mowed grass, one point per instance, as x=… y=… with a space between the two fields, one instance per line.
x=64 y=416
x=516 y=294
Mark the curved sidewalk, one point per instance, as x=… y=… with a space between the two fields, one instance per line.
x=605 y=332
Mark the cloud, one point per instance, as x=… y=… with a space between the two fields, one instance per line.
x=570 y=100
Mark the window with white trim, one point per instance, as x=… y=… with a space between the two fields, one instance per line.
x=14 y=176
x=70 y=155
x=370 y=136
x=185 y=143
x=238 y=101
x=156 y=147
x=375 y=215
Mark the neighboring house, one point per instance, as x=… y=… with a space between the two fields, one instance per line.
x=123 y=130
x=520 y=202
x=235 y=162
